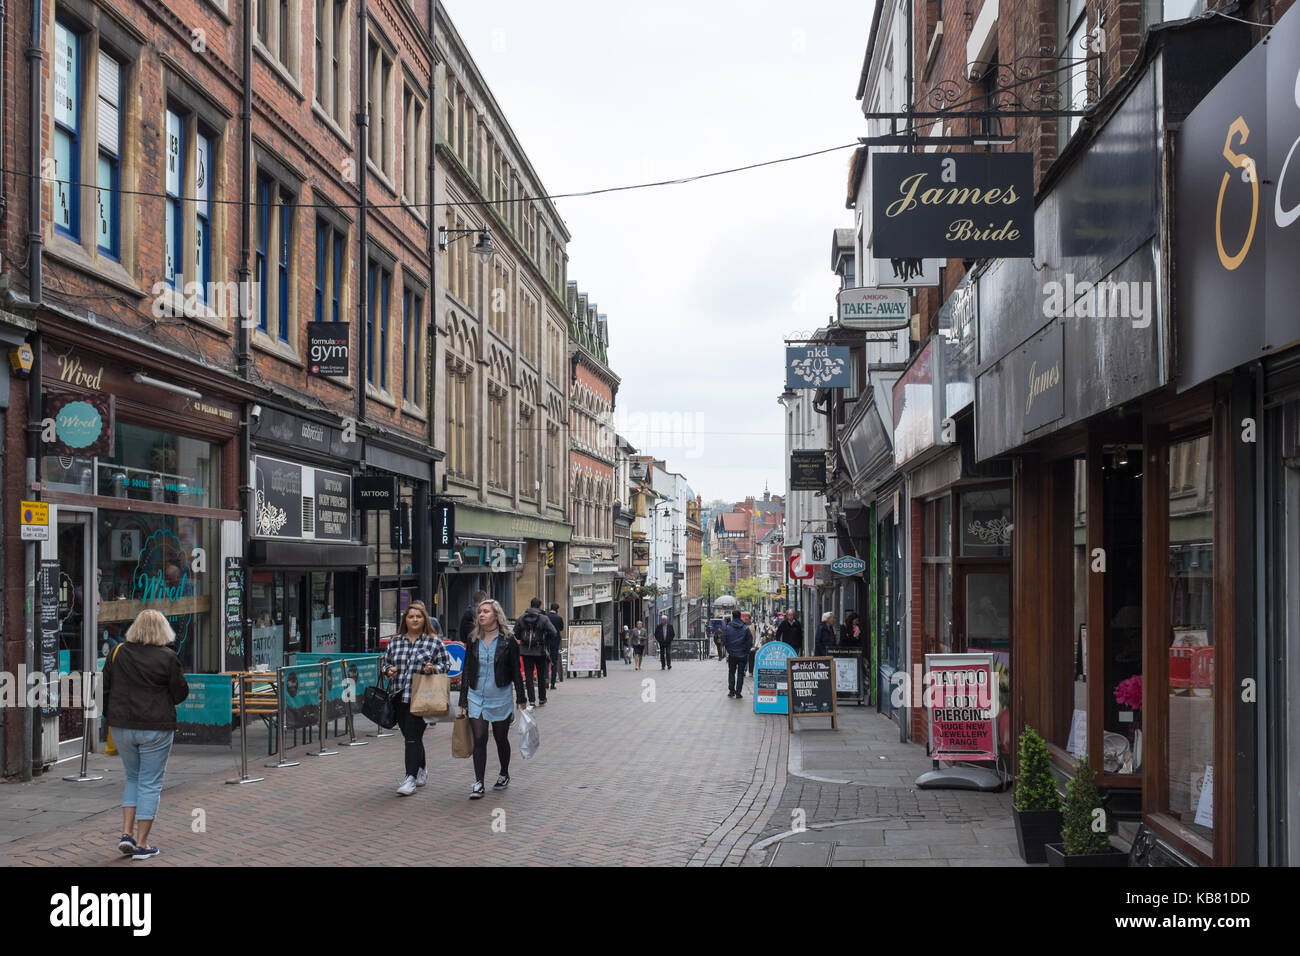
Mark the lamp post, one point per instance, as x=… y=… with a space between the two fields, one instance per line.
x=483 y=248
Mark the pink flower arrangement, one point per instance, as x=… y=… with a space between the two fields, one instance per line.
x=1128 y=693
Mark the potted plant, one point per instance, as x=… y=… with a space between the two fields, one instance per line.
x=1084 y=835
x=1038 y=808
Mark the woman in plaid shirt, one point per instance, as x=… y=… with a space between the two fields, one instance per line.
x=416 y=648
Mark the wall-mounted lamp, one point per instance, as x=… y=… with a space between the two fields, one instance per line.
x=144 y=379
x=483 y=248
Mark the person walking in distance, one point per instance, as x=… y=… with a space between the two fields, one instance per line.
x=825 y=635
x=638 y=643
x=534 y=631
x=665 y=634
x=553 y=643
x=737 y=638
x=143 y=683
x=469 y=619
x=414 y=648
x=790 y=631
x=491 y=669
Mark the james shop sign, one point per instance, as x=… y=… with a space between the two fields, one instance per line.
x=953 y=206
x=1044 y=382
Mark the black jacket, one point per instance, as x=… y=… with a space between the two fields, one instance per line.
x=791 y=632
x=505 y=664
x=659 y=634
x=737 y=639
x=534 y=619
x=557 y=622
x=142 y=686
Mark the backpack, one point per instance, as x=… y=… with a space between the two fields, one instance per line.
x=532 y=638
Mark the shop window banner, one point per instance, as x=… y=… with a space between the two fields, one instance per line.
x=83 y=424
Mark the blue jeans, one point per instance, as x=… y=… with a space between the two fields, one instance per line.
x=144 y=756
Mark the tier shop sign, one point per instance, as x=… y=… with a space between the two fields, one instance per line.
x=812 y=689
x=961 y=695
x=771 y=682
x=953 y=206
x=874 y=310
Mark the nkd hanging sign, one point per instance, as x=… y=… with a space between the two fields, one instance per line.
x=823 y=366
x=874 y=310
x=953 y=206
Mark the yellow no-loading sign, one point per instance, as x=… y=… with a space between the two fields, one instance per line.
x=35 y=519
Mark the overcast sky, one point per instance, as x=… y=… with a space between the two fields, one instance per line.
x=702 y=281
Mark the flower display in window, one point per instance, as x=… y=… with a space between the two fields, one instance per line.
x=1128 y=692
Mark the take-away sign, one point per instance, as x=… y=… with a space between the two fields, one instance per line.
x=874 y=310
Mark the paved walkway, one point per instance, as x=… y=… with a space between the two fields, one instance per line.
x=854 y=793
x=656 y=767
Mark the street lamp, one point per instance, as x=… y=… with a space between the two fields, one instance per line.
x=483 y=248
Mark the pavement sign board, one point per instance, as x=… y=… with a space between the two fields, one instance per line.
x=961 y=695
x=771 y=683
x=812 y=689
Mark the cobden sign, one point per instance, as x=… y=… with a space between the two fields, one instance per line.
x=953 y=206
x=328 y=345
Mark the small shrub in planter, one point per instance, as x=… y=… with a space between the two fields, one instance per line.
x=1082 y=845
x=1038 y=808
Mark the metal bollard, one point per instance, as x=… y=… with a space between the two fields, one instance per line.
x=347 y=714
x=243 y=740
x=85 y=776
x=324 y=677
x=279 y=722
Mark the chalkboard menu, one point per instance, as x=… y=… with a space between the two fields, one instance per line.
x=49 y=581
x=812 y=688
x=234 y=592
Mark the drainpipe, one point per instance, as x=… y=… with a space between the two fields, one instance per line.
x=363 y=264
x=31 y=735
x=3 y=32
x=36 y=245
x=431 y=379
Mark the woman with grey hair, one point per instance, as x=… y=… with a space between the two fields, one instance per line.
x=143 y=683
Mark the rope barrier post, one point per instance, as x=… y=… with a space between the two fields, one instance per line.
x=324 y=677
x=243 y=740
x=279 y=722
x=84 y=776
x=381 y=732
x=347 y=712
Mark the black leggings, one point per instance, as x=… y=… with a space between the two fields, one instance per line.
x=501 y=731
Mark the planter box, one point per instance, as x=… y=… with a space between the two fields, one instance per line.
x=1034 y=830
x=1056 y=857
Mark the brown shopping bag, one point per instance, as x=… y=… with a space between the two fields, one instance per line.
x=462 y=738
x=430 y=695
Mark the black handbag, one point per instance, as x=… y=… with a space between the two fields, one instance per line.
x=377 y=705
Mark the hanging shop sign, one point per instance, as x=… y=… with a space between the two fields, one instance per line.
x=907 y=273
x=807 y=470
x=771 y=681
x=444 y=525
x=848 y=565
x=819 y=547
x=328 y=348
x=277 y=498
x=1238 y=212
x=83 y=424
x=333 y=506
x=799 y=571
x=953 y=205
x=823 y=366
x=961 y=694
x=1044 y=383
x=375 y=493
x=874 y=310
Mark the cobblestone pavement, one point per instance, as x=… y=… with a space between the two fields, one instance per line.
x=685 y=779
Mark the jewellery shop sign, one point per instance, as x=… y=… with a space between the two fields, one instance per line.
x=952 y=205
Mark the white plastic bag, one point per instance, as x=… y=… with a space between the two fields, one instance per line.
x=529 y=737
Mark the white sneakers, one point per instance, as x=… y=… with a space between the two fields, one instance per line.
x=407 y=788
x=422 y=777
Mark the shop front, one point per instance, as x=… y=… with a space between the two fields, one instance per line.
x=1126 y=492
x=139 y=473
x=305 y=561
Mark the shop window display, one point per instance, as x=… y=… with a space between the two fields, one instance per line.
x=147 y=465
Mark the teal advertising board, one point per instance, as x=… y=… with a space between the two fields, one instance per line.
x=204 y=717
x=771 y=687
x=362 y=668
